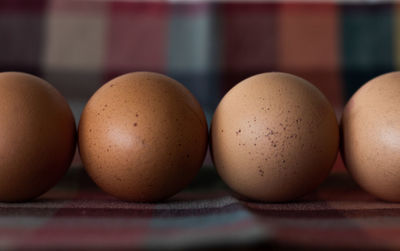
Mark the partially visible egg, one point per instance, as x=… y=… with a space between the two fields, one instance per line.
x=371 y=136
x=274 y=137
x=142 y=137
x=37 y=132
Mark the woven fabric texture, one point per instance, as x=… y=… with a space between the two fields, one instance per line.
x=209 y=47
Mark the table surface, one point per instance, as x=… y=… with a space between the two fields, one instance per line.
x=76 y=214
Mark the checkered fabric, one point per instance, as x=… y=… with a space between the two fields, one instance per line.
x=78 y=45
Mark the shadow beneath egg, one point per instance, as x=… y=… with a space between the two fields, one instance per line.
x=339 y=186
x=207 y=179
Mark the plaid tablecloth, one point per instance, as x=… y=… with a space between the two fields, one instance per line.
x=76 y=214
x=78 y=45
x=209 y=46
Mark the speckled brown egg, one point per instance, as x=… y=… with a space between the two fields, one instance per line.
x=274 y=137
x=37 y=132
x=371 y=136
x=142 y=137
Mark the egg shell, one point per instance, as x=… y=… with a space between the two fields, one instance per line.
x=370 y=129
x=274 y=137
x=142 y=137
x=37 y=132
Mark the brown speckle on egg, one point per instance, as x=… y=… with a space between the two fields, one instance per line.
x=283 y=140
x=151 y=114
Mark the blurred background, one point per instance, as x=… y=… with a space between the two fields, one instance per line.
x=78 y=45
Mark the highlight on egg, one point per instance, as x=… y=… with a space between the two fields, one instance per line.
x=370 y=129
x=37 y=131
x=274 y=137
x=142 y=137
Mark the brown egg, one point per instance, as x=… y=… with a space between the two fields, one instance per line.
x=371 y=136
x=142 y=137
x=274 y=137
x=37 y=132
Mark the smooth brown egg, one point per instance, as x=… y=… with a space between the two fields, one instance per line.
x=37 y=132
x=142 y=137
x=274 y=137
x=371 y=136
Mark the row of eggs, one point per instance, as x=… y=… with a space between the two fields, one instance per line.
x=143 y=137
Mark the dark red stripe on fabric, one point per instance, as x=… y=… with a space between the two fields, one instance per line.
x=309 y=45
x=248 y=41
x=126 y=7
x=23 y=5
x=339 y=164
x=136 y=38
x=22 y=30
